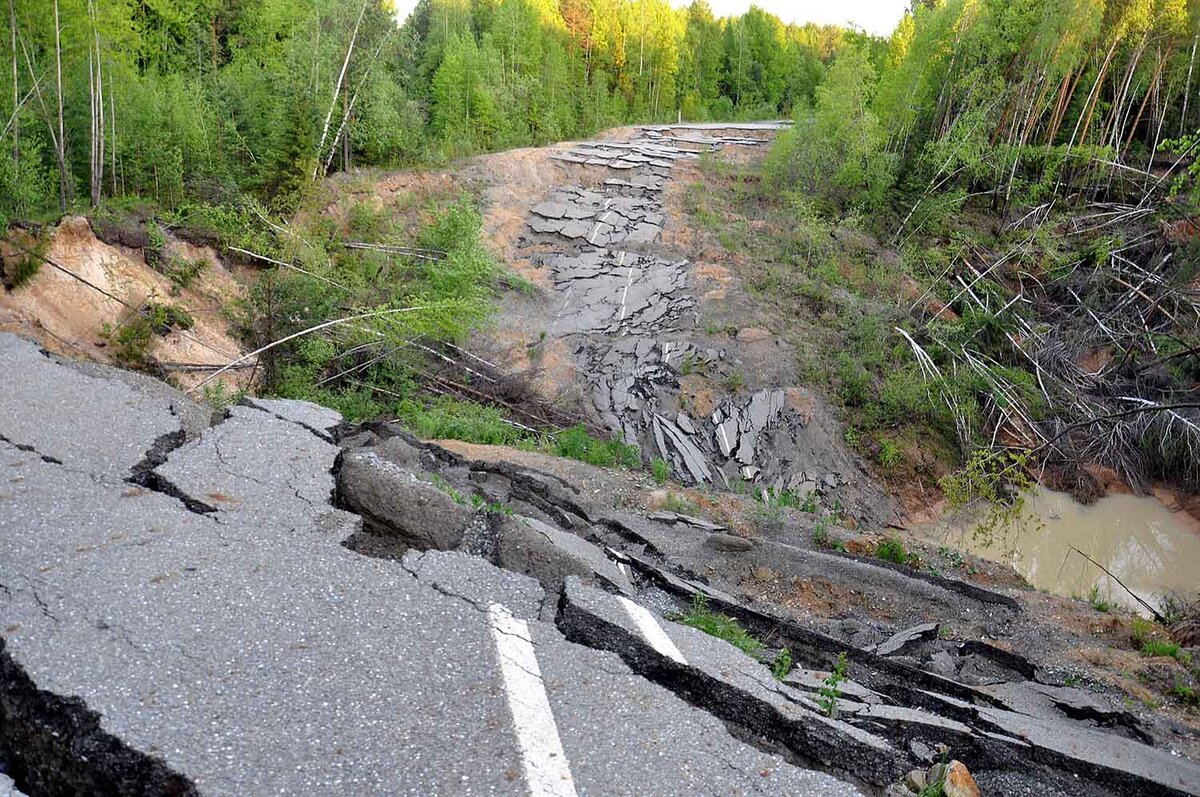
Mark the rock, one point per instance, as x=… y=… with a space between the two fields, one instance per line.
x=8 y=788
x=915 y=780
x=898 y=790
x=360 y=440
x=529 y=546
x=395 y=503
x=943 y=664
x=955 y=778
x=398 y=451
x=907 y=639
x=321 y=421
x=728 y=543
x=753 y=334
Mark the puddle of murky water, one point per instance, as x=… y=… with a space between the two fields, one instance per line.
x=1152 y=550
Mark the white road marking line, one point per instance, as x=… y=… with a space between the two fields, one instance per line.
x=651 y=630
x=547 y=771
x=563 y=309
x=628 y=282
x=596 y=229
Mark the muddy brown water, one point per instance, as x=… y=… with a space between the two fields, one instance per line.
x=1153 y=550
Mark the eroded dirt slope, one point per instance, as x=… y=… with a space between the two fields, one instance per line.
x=86 y=291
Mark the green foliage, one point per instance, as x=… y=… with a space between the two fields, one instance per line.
x=1142 y=631
x=180 y=271
x=889 y=453
x=131 y=341
x=576 y=443
x=439 y=482
x=1098 y=603
x=824 y=539
x=831 y=691
x=209 y=102
x=1186 y=694
x=995 y=487
x=836 y=150
x=660 y=470
x=1162 y=647
x=699 y=616
x=452 y=419
x=782 y=665
x=892 y=550
x=218 y=395
x=676 y=502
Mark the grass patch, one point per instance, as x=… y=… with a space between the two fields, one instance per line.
x=892 y=550
x=576 y=443
x=470 y=422
x=782 y=664
x=700 y=617
x=1098 y=603
x=1155 y=648
x=680 y=505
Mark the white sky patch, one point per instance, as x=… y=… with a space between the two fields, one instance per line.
x=874 y=16
x=651 y=630
x=547 y=771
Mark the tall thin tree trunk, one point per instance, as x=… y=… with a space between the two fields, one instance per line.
x=92 y=119
x=337 y=88
x=12 y=21
x=61 y=143
x=96 y=101
x=1187 y=89
x=112 y=122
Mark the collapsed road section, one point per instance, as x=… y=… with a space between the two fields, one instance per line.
x=358 y=612
x=151 y=649
x=627 y=306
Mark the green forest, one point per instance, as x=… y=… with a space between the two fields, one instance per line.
x=202 y=100
x=1030 y=163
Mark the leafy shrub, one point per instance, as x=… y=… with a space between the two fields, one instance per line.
x=892 y=550
x=782 y=664
x=660 y=470
x=1161 y=647
x=179 y=270
x=131 y=341
x=831 y=690
x=459 y=420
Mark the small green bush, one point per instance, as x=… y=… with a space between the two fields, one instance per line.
x=130 y=342
x=660 y=470
x=1161 y=647
x=782 y=664
x=831 y=690
x=892 y=550
x=1098 y=603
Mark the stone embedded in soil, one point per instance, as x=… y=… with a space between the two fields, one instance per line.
x=529 y=546
x=955 y=778
x=395 y=503
x=907 y=639
x=728 y=543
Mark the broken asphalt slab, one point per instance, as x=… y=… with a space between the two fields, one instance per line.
x=151 y=649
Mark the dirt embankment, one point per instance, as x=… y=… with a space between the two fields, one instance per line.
x=86 y=291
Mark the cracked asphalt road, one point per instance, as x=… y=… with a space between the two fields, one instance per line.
x=245 y=650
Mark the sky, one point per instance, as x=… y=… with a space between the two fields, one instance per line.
x=875 y=16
